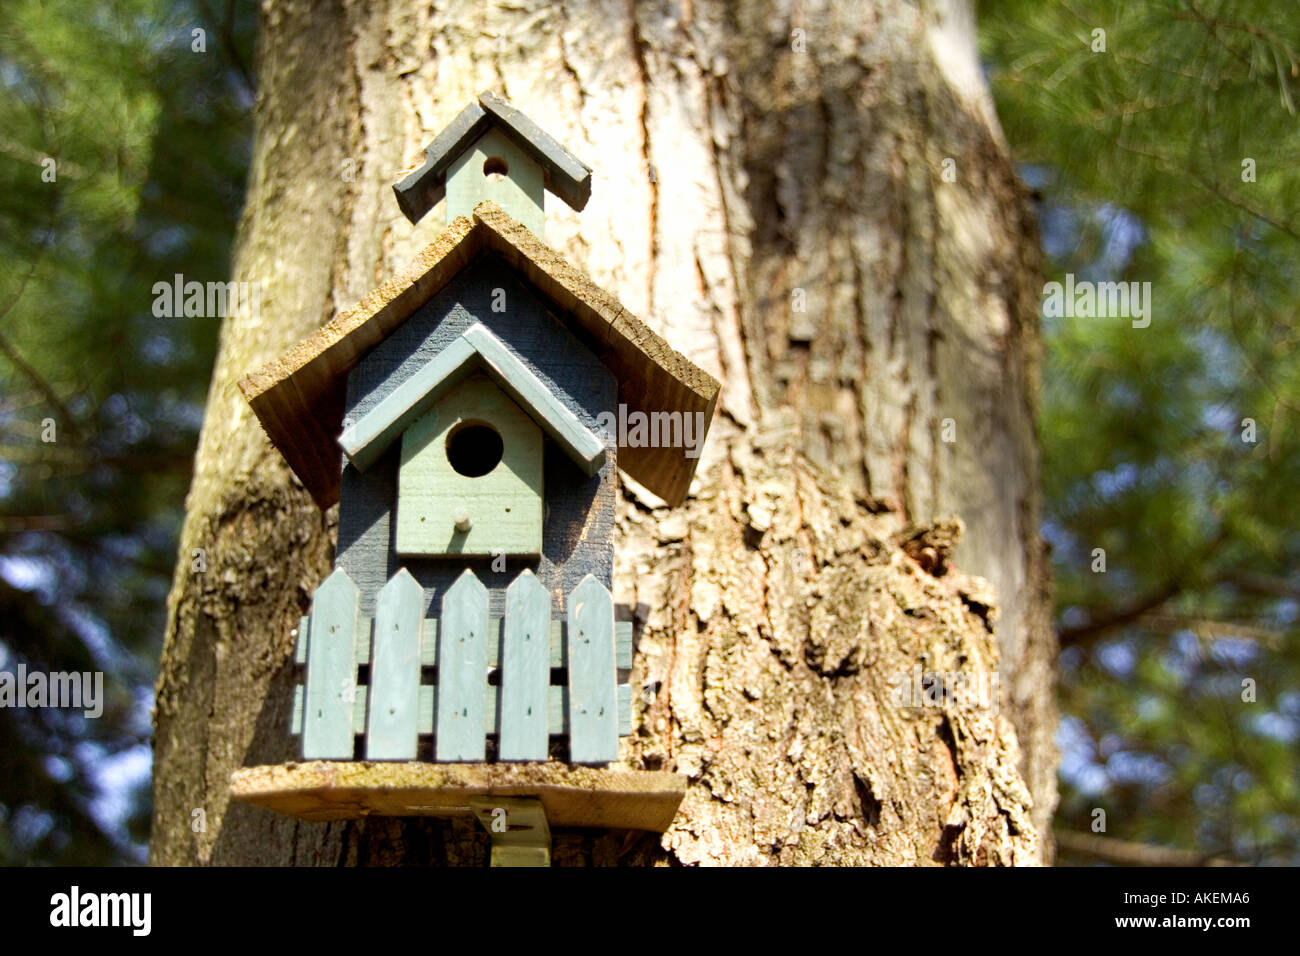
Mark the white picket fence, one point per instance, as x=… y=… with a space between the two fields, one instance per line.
x=466 y=649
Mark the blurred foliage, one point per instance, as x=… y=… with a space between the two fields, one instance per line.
x=150 y=145
x=1142 y=155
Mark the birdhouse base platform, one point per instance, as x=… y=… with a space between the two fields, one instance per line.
x=573 y=796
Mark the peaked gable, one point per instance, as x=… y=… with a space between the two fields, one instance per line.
x=299 y=396
x=424 y=186
x=368 y=438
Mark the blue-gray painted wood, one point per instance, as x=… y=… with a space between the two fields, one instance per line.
x=525 y=670
x=578 y=531
x=623 y=645
x=423 y=188
x=593 y=715
x=462 y=671
x=366 y=438
x=557 y=710
x=395 y=671
x=331 y=670
x=429 y=643
x=583 y=445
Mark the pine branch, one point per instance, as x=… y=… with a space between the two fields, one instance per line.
x=1210 y=629
x=1127 y=853
x=1099 y=625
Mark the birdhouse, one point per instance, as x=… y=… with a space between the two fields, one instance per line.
x=469 y=417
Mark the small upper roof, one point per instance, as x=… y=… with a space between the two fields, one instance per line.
x=424 y=186
x=299 y=397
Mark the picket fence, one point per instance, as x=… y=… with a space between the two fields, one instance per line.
x=491 y=676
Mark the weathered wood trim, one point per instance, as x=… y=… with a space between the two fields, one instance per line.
x=566 y=175
x=308 y=380
x=572 y=796
x=424 y=186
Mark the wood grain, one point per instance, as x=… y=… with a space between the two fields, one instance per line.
x=331 y=670
x=593 y=719
x=525 y=671
x=298 y=397
x=393 y=706
x=462 y=671
x=572 y=796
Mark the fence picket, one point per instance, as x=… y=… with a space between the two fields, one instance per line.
x=331 y=670
x=462 y=671
x=525 y=670
x=395 y=670
x=593 y=717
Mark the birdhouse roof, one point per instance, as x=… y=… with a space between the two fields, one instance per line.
x=425 y=185
x=299 y=397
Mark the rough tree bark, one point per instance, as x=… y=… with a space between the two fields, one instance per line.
x=749 y=157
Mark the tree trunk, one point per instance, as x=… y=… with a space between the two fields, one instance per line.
x=811 y=201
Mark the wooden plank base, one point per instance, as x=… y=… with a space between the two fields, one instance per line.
x=572 y=796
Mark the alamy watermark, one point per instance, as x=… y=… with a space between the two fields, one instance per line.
x=206 y=300
x=1101 y=300
x=74 y=908
x=75 y=690
x=638 y=429
x=968 y=688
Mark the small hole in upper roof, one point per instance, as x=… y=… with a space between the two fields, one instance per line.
x=494 y=167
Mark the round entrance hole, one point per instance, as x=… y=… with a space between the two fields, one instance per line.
x=494 y=167
x=474 y=449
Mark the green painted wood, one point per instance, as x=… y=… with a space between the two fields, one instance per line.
x=364 y=440
x=623 y=645
x=503 y=508
x=624 y=710
x=521 y=191
x=395 y=670
x=525 y=670
x=462 y=671
x=565 y=175
x=331 y=670
x=429 y=643
x=593 y=713
x=368 y=437
x=522 y=384
x=557 y=710
x=300 y=644
x=569 y=177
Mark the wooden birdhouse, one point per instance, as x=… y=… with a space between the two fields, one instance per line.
x=469 y=417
